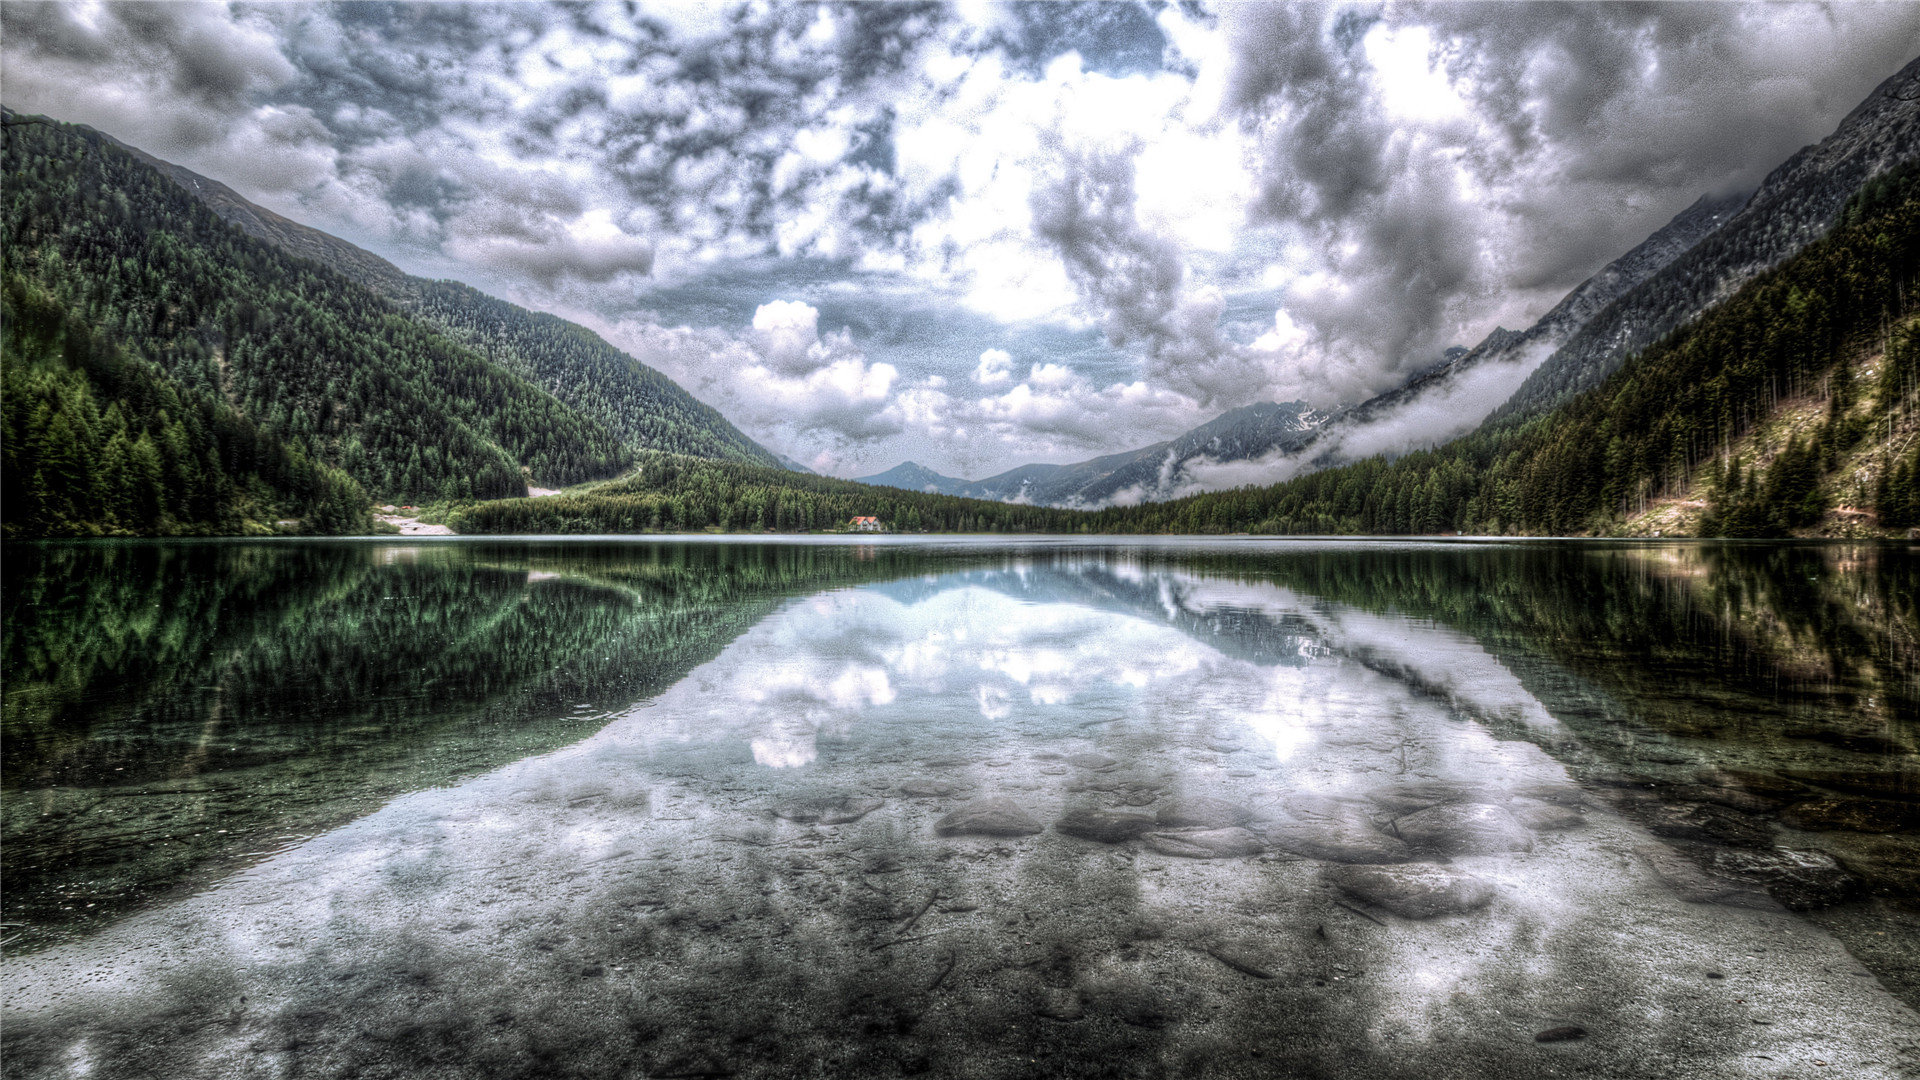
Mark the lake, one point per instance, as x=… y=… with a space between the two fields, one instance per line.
x=961 y=808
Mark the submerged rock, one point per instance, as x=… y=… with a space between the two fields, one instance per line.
x=826 y=809
x=1348 y=837
x=1852 y=815
x=1557 y=794
x=1544 y=816
x=1704 y=821
x=1464 y=829
x=1420 y=794
x=930 y=788
x=1413 y=890
x=1802 y=880
x=1225 y=843
x=995 y=816
x=1564 y=1033
x=1241 y=959
x=1202 y=812
x=1696 y=886
x=1105 y=826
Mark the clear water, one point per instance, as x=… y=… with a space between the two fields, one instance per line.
x=961 y=808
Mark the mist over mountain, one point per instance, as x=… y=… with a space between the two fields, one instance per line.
x=1152 y=472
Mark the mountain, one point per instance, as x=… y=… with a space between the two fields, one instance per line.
x=1452 y=397
x=911 y=476
x=1794 y=206
x=645 y=409
x=314 y=358
x=791 y=465
x=94 y=441
x=1790 y=408
x=1151 y=472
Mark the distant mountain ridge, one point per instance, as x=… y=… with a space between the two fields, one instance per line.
x=643 y=407
x=1130 y=476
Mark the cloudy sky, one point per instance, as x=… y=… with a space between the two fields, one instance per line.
x=978 y=235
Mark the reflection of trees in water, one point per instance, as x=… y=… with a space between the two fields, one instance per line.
x=158 y=694
x=1821 y=627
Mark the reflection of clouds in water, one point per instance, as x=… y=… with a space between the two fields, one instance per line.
x=1291 y=714
x=995 y=703
x=814 y=669
x=1438 y=659
x=801 y=700
x=1252 y=695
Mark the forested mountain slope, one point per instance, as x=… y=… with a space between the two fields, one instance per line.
x=93 y=441
x=1838 y=321
x=1795 y=205
x=1456 y=395
x=674 y=493
x=315 y=358
x=644 y=408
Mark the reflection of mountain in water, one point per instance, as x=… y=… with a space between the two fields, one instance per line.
x=193 y=704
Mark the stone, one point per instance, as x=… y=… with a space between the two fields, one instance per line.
x=1731 y=797
x=1701 y=821
x=1464 y=829
x=1419 y=794
x=1306 y=804
x=826 y=809
x=1546 y=817
x=1413 y=890
x=1225 y=843
x=1753 y=780
x=1852 y=815
x=1800 y=879
x=1557 y=794
x=930 y=788
x=1094 y=762
x=1063 y=1005
x=1696 y=886
x=1240 y=959
x=996 y=816
x=1103 y=826
x=1349 y=837
x=1202 y=812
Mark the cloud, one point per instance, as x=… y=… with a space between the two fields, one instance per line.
x=1380 y=180
x=996 y=366
x=782 y=381
x=1442 y=165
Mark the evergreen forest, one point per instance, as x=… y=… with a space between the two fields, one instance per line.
x=316 y=359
